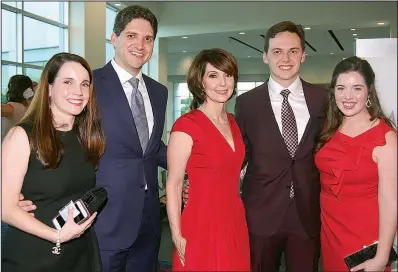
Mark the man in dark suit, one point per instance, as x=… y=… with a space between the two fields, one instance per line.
x=280 y=121
x=132 y=108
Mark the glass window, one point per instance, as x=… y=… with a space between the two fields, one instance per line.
x=245 y=86
x=34 y=74
x=8 y=36
x=110 y=20
x=50 y=10
x=182 y=99
x=42 y=45
x=109 y=51
x=12 y=4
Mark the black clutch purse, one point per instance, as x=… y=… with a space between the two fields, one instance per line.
x=365 y=254
x=94 y=199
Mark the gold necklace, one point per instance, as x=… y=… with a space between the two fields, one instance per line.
x=214 y=119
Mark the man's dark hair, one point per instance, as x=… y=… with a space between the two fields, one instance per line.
x=285 y=26
x=126 y=15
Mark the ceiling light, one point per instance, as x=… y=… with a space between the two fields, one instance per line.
x=248 y=56
x=242 y=33
x=184 y=51
x=118 y=5
x=354 y=34
x=185 y=37
x=307 y=28
x=331 y=53
x=352 y=29
x=380 y=23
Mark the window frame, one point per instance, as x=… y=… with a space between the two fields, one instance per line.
x=20 y=15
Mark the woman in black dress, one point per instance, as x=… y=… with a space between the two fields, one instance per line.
x=50 y=157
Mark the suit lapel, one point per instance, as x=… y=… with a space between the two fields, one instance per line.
x=152 y=95
x=312 y=106
x=273 y=127
x=115 y=90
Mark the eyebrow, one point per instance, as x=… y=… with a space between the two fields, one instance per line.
x=132 y=32
x=282 y=49
x=356 y=85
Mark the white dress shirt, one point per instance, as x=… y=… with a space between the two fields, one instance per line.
x=296 y=100
x=124 y=76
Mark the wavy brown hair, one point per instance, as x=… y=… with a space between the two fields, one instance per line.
x=44 y=139
x=334 y=116
x=221 y=60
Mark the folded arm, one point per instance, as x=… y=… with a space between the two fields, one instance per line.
x=7 y=110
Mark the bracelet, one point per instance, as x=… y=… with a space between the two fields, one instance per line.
x=57 y=248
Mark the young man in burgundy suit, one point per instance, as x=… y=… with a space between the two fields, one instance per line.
x=280 y=121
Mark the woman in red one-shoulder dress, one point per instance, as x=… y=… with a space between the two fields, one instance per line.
x=211 y=234
x=357 y=161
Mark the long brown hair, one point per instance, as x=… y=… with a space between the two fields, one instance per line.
x=221 y=60
x=44 y=139
x=334 y=116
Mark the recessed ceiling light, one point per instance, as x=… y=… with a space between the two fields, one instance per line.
x=343 y=58
x=248 y=56
x=242 y=33
x=380 y=23
x=331 y=53
x=352 y=29
x=118 y=5
x=354 y=34
x=184 y=51
x=185 y=37
x=307 y=28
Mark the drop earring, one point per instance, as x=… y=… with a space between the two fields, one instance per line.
x=368 y=103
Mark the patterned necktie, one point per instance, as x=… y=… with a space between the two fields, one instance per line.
x=139 y=115
x=289 y=129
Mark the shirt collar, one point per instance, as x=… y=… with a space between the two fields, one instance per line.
x=123 y=75
x=275 y=88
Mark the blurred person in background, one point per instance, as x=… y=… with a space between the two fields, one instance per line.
x=19 y=95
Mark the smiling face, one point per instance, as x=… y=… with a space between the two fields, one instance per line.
x=284 y=57
x=70 y=91
x=134 y=45
x=351 y=94
x=217 y=85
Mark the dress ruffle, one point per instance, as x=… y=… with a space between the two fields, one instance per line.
x=345 y=152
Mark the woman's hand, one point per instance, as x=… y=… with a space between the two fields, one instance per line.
x=71 y=230
x=180 y=244
x=374 y=264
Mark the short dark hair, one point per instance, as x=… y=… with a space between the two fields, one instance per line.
x=126 y=15
x=17 y=85
x=220 y=59
x=285 y=26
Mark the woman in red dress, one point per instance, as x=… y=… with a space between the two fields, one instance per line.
x=357 y=160
x=211 y=234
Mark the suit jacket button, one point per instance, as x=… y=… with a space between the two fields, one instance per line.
x=293 y=161
x=142 y=186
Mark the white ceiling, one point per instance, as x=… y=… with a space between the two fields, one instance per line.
x=321 y=40
x=210 y=24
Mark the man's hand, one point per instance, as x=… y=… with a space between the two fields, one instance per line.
x=185 y=193
x=26 y=205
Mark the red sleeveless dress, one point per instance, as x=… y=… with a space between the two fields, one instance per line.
x=349 y=188
x=213 y=222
